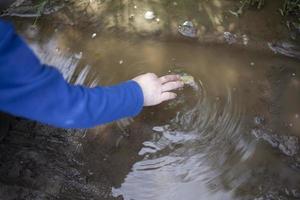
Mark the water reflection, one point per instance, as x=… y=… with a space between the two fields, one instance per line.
x=203 y=142
x=197 y=147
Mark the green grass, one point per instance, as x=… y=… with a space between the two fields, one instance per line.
x=246 y=4
x=40 y=8
x=289 y=7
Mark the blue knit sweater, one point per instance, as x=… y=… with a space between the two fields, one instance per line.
x=38 y=92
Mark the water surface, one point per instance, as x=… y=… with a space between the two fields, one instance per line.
x=233 y=136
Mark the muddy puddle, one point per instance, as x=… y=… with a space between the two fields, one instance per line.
x=232 y=134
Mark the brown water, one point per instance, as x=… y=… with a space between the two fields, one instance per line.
x=233 y=136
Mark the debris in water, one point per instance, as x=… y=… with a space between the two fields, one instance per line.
x=285 y=48
x=245 y=39
x=293 y=74
x=258 y=120
x=32 y=31
x=175 y=3
x=78 y=55
x=121 y=62
x=188 y=29
x=57 y=49
x=230 y=38
x=288 y=145
x=94 y=35
x=252 y=64
x=131 y=17
x=189 y=80
x=157 y=20
x=149 y=15
x=135 y=6
x=158 y=128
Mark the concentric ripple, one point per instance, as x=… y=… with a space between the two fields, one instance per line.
x=189 y=157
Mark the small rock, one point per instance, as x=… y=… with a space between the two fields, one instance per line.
x=32 y=31
x=258 y=120
x=121 y=62
x=296 y=193
x=230 y=38
x=131 y=17
x=158 y=128
x=187 y=29
x=149 y=15
x=78 y=55
x=57 y=49
x=245 y=39
x=94 y=35
x=189 y=80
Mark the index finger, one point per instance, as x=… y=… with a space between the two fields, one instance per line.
x=169 y=78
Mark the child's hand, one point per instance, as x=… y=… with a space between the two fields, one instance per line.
x=157 y=90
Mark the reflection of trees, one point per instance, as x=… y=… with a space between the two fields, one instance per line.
x=128 y=15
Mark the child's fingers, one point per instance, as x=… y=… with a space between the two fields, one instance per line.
x=172 y=86
x=167 y=96
x=169 y=78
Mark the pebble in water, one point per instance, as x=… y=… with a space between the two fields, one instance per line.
x=285 y=48
x=288 y=145
x=258 y=120
x=32 y=31
x=230 y=38
x=131 y=17
x=149 y=15
x=78 y=55
x=245 y=39
x=189 y=80
x=187 y=29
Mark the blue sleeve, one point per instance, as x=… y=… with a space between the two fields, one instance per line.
x=38 y=92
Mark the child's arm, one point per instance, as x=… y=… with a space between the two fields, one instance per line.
x=38 y=92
